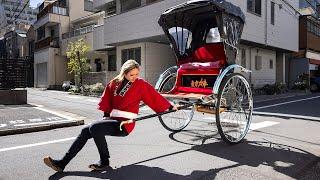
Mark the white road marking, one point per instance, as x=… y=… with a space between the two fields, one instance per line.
x=36 y=144
x=16 y=121
x=260 y=125
x=35 y=120
x=253 y=126
x=279 y=104
x=41 y=123
x=65 y=115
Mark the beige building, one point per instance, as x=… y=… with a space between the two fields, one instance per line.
x=101 y=58
x=53 y=20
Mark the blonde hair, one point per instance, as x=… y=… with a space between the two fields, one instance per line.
x=125 y=68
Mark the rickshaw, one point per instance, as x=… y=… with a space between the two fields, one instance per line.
x=204 y=35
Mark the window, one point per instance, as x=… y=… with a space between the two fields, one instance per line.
x=254 y=6
x=243 y=58
x=41 y=33
x=127 y=5
x=98 y=64
x=272 y=12
x=112 y=63
x=271 y=64
x=134 y=53
x=258 y=63
x=151 y=1
x=111 y=8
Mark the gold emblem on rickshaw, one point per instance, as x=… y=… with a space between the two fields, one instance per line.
x=199 y=84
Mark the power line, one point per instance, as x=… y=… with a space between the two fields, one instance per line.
x=15 y=10
x=25 y=5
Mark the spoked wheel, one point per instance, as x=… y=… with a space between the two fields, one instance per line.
x=175 y=121
x=234 y=107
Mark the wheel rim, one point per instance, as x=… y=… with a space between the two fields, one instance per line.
x=179 y=119
x=236 y=106
x=168 y=84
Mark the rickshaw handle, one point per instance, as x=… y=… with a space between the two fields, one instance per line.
x=153 y=115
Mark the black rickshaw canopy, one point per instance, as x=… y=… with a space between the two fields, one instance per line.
x=194 y=23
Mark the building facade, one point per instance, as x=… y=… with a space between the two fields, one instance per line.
x=15 y=41
x=53 y=20
x=134 y=32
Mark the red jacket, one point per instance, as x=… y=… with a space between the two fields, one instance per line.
x=125 y=105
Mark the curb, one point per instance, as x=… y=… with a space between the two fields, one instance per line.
x=40 y=128
x=280 y=115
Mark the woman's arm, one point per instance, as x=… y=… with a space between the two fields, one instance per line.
x=105 y=101
x=153 y=99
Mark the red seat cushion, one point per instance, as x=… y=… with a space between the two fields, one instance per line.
x=210 y=53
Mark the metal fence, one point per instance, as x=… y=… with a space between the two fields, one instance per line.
x=13 y=72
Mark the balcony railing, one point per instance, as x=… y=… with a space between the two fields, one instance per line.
x=52 y=8
x=78 y=32
x=47 y=42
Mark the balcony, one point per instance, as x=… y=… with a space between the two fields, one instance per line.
x=53 y=8
x=47 y=42
x=78 y=32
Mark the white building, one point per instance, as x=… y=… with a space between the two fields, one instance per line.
x=271 y=31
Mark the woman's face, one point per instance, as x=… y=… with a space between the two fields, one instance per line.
x=132 y=75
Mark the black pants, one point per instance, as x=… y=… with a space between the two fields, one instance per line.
x=97 y=130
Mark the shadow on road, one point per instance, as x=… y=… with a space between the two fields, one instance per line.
x=281 y=158
x=138 y=172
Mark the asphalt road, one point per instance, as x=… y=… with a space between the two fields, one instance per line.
x=281 y=146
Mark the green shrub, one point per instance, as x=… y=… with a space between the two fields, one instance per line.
x=97 y=88
x=74 y=89
x=276 y=88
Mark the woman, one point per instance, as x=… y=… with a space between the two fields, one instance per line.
x=120 y=103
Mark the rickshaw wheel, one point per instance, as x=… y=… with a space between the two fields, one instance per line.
x=234 y=107
x=175 y=121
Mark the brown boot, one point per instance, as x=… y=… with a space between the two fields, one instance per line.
x=52 y=164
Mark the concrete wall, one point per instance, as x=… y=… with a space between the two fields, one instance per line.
x=136 y=24
x=143 y=55
x=159 y=57
x=98 y=37
x=56 y=67
x=265 y=75
x=76 y=9
x=88 y=38
x=95 y=77
x=259 y=29
x=155 y=58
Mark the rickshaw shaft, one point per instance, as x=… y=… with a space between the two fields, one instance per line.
x=166 y=112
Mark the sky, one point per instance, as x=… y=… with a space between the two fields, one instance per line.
x=34 y=3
